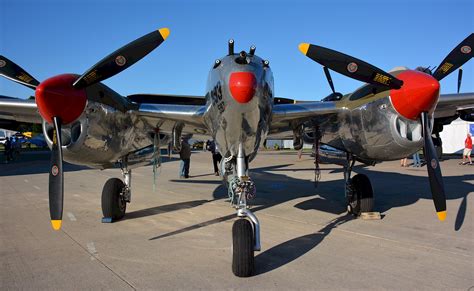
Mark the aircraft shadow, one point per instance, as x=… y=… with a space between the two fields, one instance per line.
x=162 y=209
x=274 y=189
x=291 y=250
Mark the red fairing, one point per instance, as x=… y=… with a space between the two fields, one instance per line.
x=242 y=86
x=419 y=93
x=56 y=97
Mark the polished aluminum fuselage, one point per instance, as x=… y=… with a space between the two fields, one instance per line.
x=232 y=123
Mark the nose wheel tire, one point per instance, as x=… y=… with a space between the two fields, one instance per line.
x=242 y=248
x=113 y=203
x=361 y=198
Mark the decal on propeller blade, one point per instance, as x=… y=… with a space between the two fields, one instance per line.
x=24 y=77
x=91 y=77
x=120 y=61
x=2 y=63
x=352 y=67
x=54 y=170
x=445 y=67
x=466 y=49
x=379 y=78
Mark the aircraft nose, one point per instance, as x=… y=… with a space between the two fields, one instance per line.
x=419 y=93
x=55 y=97
x=242 y=86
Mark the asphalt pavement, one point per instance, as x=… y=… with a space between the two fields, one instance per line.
x=177 y=234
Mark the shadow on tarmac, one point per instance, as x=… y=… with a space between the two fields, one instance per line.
x=291 y=250
x=162 y=209
x=274 y=189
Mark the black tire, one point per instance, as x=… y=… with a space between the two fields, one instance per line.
x=242 y=248
x=362 y=198
x=113 y=204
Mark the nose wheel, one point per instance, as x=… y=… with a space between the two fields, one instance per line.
x=115 y=196
x=242 y=248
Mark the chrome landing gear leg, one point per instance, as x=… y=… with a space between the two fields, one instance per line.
x=349 y=191
x=246 y=230
x=116 y=194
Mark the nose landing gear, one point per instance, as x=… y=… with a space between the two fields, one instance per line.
x=246 y=230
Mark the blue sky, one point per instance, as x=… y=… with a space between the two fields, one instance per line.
x=51 y=37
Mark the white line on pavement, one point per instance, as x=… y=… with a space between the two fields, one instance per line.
x=71 y=216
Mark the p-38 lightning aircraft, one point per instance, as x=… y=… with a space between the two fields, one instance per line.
x=85 y=122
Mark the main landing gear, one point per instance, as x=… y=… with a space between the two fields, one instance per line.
x=115 y=196
x=359 y=193
x=246 y=229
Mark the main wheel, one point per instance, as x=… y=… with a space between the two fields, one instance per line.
x=242 y=248
x=113 y=204
x=362 y=197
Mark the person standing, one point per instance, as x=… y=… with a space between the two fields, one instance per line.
x=8 y=150
x=416 y=160
x=466 y=155
x=216 y=155
x=185 y=156
x=404 y=162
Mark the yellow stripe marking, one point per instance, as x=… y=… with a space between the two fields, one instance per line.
x=304 y=47
x=164 y=32
x=441 y=215
x=56 y=224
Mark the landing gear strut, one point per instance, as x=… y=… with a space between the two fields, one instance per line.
x=115 y=196
x=246 y=230
x=359 y=193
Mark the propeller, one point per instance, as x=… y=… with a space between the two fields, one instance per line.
x=61 y=103
x=434 y=169
x=12 y=71
x=459 y=79
x=350 y=66
x=456 y=58
x=56 y=178
x=122 y=58
x=328 y=77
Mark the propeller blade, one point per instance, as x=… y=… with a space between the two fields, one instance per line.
x=122 y=58
x=56 y=178
x=350 y=66
x=434 y=170
x=459 y=79
x=328 y=77
x=456 y=58
x=13 y=72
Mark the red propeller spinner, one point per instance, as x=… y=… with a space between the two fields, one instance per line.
x=419 y=93
x=56 y=97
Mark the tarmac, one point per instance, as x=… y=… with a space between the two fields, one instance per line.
x=178 y=235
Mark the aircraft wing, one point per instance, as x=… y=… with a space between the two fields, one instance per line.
x=449 y=105
x=19 y=110
x=285 y=116
x=164 y=111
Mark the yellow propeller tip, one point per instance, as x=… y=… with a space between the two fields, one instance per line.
x=56 y=224
x=304 y=47
x=441 y=215
x=164 y=32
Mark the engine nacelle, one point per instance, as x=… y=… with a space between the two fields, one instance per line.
x=103 y=135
